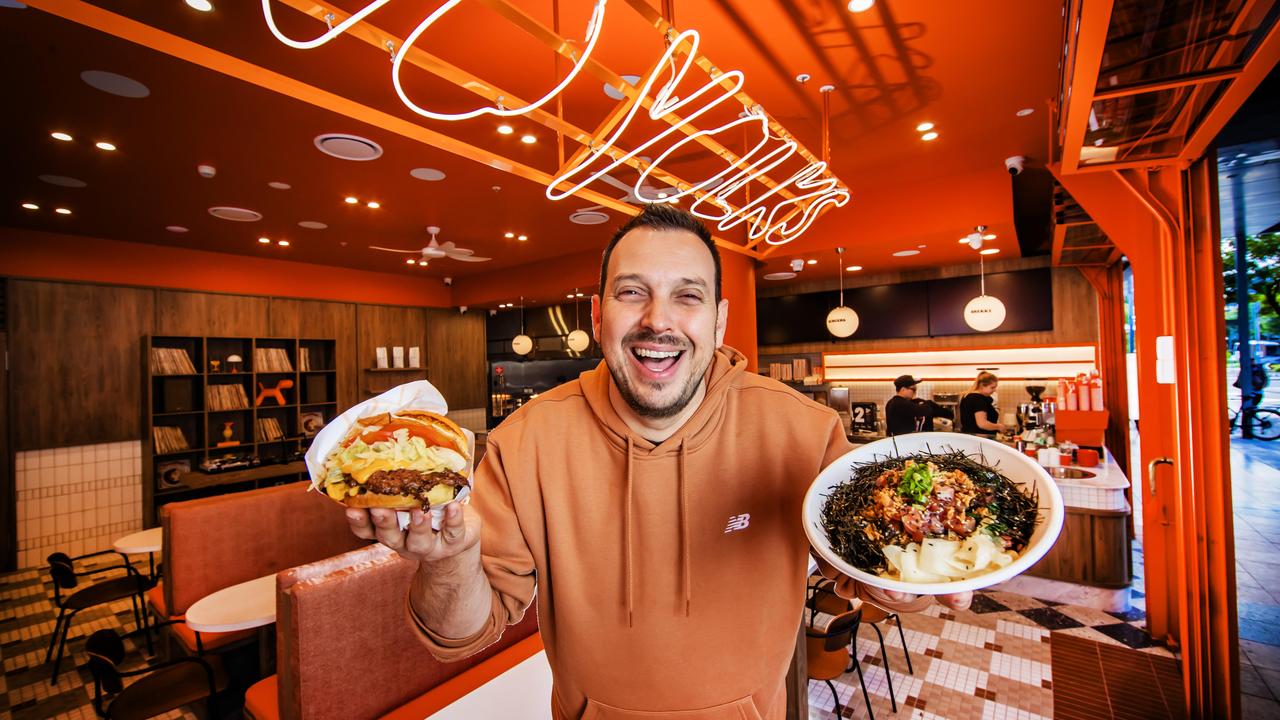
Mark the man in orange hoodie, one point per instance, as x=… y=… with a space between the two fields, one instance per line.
x=653 y=504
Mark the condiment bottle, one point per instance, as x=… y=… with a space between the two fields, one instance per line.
x=1082 y=393
x=1095 y=393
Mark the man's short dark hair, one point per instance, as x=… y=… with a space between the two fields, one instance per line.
x=663 y=217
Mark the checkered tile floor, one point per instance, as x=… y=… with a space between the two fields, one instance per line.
x=27 y=615
x=990 y=662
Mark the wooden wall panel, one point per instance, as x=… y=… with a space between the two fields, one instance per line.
x=456 y=357
x=75 y=358
x=324 y=320
x=387 y=326
x=180 y=312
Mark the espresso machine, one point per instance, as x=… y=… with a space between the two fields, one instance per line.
x=1037 y=414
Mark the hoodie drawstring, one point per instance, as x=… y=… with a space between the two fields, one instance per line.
x=627 y=531
x=684 y=532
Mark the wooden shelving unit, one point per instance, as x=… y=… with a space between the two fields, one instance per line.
x=388 y=378
x=183 y=400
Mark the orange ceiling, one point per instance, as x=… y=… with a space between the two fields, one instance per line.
x=969 y=71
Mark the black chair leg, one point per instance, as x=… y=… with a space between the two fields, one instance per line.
x=865 y=697
x=888 y=674
x=906 y=653
x=62 y=644
x=53 y=637
x=836 y=697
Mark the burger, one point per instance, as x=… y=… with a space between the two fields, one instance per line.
x=401 y=460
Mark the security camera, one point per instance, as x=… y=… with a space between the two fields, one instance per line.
x=1014 y=164
x=492 y=312
x=797 y=265
x=462 y=308
x=206 y=171
x=448 y=282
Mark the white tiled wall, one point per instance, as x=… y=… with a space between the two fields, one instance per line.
x=78 y=499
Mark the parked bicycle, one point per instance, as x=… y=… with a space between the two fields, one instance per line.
x=1264 y=422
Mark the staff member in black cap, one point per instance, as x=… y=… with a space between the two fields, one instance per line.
x=904 y=413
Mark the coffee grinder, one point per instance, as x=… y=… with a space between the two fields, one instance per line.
x=1037 y=414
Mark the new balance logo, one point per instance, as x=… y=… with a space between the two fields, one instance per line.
x=738 y=522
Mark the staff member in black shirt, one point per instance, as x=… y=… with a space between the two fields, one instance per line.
x=978 y=414
x=904 y=413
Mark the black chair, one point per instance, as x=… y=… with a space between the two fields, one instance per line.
x=822 y=597
x=159 y=688
x=65 y=578
x=826 y=651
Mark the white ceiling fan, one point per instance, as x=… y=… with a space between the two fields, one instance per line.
x=436 y=250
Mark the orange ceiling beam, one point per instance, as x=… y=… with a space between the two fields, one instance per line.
x=1092 y=17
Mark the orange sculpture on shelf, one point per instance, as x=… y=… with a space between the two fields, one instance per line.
x=276 y=392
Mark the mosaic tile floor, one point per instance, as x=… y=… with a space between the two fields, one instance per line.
x=990 y=662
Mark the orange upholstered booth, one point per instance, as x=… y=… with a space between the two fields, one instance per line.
x=346 y=647
x=216 y=542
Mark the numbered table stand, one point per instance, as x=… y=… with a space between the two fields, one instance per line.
x=146 y=541
x=250 y=604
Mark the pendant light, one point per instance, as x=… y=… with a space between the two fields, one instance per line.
x=578 y=340
x=842 y=321
x=522 y=343
x=985 y=312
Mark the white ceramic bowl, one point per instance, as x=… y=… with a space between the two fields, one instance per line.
x=1019 y=468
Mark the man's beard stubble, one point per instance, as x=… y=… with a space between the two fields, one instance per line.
x=629 y=394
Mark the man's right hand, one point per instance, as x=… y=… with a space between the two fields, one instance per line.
x=459 y=532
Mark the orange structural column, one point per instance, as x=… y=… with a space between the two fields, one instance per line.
x=1166 y=224
x=738 y=285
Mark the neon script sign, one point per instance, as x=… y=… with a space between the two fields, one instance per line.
x=770 y=215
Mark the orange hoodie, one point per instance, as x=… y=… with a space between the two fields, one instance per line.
x=670 y=578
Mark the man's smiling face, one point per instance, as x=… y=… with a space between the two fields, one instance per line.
x=657 y=319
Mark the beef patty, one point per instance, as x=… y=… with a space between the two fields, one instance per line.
x=414 y=483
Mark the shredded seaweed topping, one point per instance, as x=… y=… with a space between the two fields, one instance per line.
x=858 y=531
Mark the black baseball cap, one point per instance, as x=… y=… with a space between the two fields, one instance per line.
x=905 y=381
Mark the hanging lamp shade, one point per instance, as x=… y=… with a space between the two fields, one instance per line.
x=578 y=340
x=842 y=321
x=522 y=344
x=984 y=313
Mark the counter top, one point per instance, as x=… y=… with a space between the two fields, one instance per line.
x=1104 y=491
x=1108 y=475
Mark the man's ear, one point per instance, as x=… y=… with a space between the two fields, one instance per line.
x=722 y=320
x=595 y=318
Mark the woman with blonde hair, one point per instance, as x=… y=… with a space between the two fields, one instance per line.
x=978 y=415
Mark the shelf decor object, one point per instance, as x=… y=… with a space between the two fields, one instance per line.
x=192 y=419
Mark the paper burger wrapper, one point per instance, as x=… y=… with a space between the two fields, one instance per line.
x=416 y=395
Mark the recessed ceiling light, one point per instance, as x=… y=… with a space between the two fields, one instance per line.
x=964 y=240
x=61 y=136
x=570 y=296
x=279 y=185
x=201 y=5
x=423 y=263
x=528 y=139
x=312 y=225
x=505 y=129
x=428 y=174
x=411 y=261
x=62 y=211
x=780 y=276
x=924 y=127
x=989 y=251
x=853 y=268
x=374 y=204
x=63 y=181
x=175 y=228
x=208 y=172
x=509 y=235
x=929 y=136
x=860 y=5
x=348 y=147
x=282 y=243
x=614 y=93
x=922 y=246
x=588 y=217
x=906 y=253
x=235 y=214
x=351 y=200
x=523 y=237
x=104 y=145
x=578 y=295
x=989 y=236
x=1025 y=112
x=264 y=240
x=114 y=84
x=31 y=206
x=812 y=262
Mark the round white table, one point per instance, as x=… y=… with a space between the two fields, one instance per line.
x=250 y=604
x=146 y=541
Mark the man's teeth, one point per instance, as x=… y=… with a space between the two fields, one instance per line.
x=657 y=354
